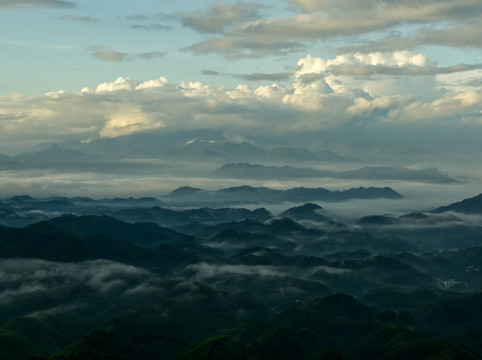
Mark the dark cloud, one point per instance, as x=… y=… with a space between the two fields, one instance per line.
x=211 y=72
x=220 y=15
x=475 y=82
x=281 y=76
x=106 y=54
x=327 y=20
x=150 y=55
x=88 y=19
x=370 y=70
x=237 y=47
x=156 y=27
x=150 y=22
x=467 y=35
x=25 y=4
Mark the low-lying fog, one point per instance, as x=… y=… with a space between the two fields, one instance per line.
x=417 y=196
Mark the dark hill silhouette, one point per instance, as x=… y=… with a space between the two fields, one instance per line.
x=248 y=194
x=143 y=234
x=307 y=211
x=468 y=206
x=42 y=240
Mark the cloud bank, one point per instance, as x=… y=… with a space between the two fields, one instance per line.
x=442 y=22
x=397 y=89
x=220 y=15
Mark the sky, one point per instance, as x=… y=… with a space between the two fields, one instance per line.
x=86 y=70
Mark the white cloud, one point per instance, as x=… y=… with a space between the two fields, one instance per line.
x=272 y=92
x=128 y=121
x=120 y=84
x=152 y=83
x=242 y=91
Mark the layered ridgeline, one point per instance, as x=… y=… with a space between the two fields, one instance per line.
x=256 y=171
x=209 y=144
x=22 y=210
x=235 y=283
x=57 y=158
x=255 y=195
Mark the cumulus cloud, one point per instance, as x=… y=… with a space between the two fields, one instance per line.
x=153 y=83
x=220 y=15
x=25 y=4
x=374 y=89
x=128 y=121
x=120 y=84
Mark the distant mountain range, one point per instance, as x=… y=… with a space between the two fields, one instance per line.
x=53 y=157
x=248 y=194
x=371 y=151
x=256 y=171
x=205 y=145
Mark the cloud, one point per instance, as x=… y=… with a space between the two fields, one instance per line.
x=128 y=121
x=151 y=22
x=156 y=27
x=445 y=22
x=22 y=276
x=466 y=35
x=157 y=83
x=233 y=47
x=25 y=4
x=344 y=5
x=120 y=84
x=211 y=72
x=204 y=271
x=87 y=19
x=106 y=54
x=220 y=15
x=281 y=76
x=150 y=55
x=394 y=89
